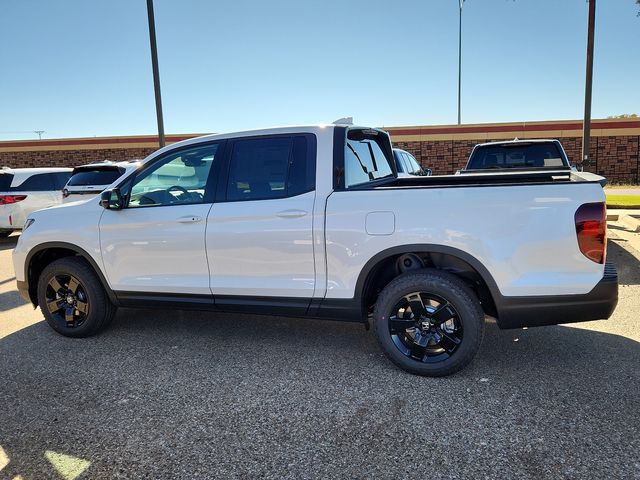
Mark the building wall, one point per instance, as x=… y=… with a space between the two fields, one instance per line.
x=614 y=151
x=69 y=158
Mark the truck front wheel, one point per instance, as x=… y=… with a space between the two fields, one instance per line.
x=72 y=298
x=428 y=322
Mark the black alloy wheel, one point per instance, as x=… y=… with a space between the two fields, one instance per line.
x=67 y=301
x=425 y=327
x=428 y=322
x=73 y=299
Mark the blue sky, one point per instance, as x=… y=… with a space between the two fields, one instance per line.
x=82 y=68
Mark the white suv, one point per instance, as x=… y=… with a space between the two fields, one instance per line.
x=89 y=180
x=24 y=190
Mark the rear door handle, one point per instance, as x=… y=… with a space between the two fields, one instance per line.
x=189 y=219
x=292 y=213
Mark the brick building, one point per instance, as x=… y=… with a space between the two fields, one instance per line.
x=614 y=150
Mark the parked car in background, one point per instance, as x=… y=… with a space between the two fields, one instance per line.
x=93 y=178
x=314 y=222
x=406 y=164
x=518 y=154
x=24 y=190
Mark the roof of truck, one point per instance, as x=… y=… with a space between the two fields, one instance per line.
x=518 y=140
x=259 y=132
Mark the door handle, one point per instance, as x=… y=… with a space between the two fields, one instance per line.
x=292 y=213
x=189 y=219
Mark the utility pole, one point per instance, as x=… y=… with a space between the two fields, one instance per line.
x=459 y=58
x=586 y=125
x=156 y=74
x=39 y=133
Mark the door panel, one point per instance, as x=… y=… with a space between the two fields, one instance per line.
x=262 y=247
x=159 y=249
x=157 y=243
x=260 y=235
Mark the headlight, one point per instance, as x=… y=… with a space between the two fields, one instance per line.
x=28 y=223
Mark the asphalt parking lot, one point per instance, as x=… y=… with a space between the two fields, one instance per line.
x=171 y=394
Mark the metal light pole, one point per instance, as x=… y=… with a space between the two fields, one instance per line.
x=156 y=74
x=39 y=133
x=586 y=125
x=459 y=58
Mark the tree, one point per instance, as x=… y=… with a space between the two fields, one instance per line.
x=625 y=115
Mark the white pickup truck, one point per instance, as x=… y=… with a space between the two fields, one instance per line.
x=314 y=222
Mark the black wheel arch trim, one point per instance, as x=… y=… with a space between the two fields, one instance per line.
x=427 y=248
x=516 y=312
x=31 y=287
x=513 y=312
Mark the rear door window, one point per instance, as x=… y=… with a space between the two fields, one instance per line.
x=60 y=179
x=274 y=167
x=40 y=182
x=98 y=176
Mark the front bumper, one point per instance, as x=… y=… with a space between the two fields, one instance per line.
x=535 y=311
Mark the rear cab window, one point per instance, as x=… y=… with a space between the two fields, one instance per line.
x=94 y=176
x=367 y=157
x=517 y=155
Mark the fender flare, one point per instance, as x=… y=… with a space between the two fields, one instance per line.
x=429 y=248
x=79 y=252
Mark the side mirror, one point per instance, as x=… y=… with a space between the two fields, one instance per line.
x=112 y=199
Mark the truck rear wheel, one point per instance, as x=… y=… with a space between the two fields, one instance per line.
x=72 y=298
x=428 y=322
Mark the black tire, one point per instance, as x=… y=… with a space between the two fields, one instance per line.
x=89 y=294
x=5 y=233
x=405 y=346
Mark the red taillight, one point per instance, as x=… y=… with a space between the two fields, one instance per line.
x=7 y=199
x=591 y=229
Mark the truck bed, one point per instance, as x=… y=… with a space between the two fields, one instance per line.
x=498 y=178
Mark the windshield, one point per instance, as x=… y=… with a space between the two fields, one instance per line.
x=98 y=176
x=367 y=156
x=516 y=155
x=415 y=167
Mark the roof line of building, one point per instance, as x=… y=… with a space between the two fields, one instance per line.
x=483 y=131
